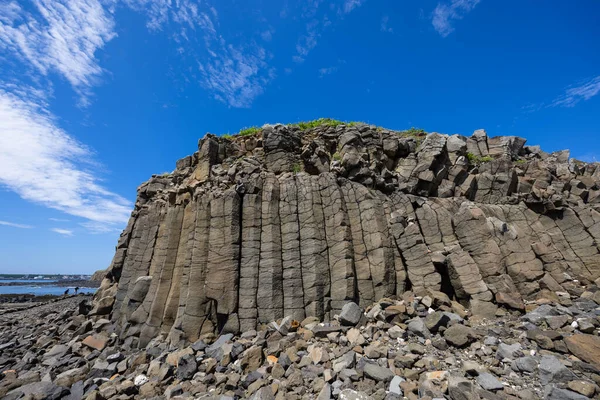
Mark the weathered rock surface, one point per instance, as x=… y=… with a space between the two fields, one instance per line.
x=286 y=222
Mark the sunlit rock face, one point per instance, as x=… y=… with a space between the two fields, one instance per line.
x=291 y=222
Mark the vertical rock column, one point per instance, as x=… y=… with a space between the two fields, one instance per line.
x=269 y=297
x=313 y=246
x=164 y=266
x=222 y=277
x=293 y=295
x=249 y=266
x=339 y=240
x=196 y=308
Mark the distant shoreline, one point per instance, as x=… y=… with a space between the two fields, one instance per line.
x=61 y=283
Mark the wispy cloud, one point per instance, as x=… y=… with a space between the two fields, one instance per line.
x=64 y=232
x=315 y=25
x=58 y=36
x=14 y=225
x=308 y=41
x=384 y=24
x=574 y=94
x=234 y=74
x=327 y=71
x=43 y=164
x=350 y=5
x=58 y=219
x=582 y=91
x=446 y=13
x=589 y=158
x=237 y=75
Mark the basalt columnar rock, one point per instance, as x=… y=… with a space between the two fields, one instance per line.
x=290 y=222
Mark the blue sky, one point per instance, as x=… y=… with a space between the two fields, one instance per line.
x=97 y=95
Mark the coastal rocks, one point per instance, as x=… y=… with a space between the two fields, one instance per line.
x=326 y=219
x=378 y=358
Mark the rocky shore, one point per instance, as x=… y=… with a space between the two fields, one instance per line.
x=411 y=347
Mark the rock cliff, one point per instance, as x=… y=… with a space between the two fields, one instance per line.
x=285 y=221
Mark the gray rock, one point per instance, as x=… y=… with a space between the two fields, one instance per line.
x=554 y=393
x=489 y=381
x=395 y=385
x=436 y=320
x=215 y=349
x=39 y=390
x=378 y=373
x=325 y=393
x=418 y=327
x=508 y=351
x=186 y=367
x=524 y=364
x=349 y=394
x=351 y=314
x=551 y=370
x=459 y=335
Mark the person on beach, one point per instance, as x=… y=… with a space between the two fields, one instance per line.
x=76 y=289
x=66 y=292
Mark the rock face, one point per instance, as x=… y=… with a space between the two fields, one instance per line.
x=297 y=223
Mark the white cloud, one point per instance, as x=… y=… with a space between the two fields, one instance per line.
x=267 y=35
x=43 y=164
x=327 y=71
x=583 y=91
x=350 y=5
x=236 y=75
x=59 y=36
x=384 y=24
x=445 y=13
x=64 y=232
x=14 y=225
x=58 y=219
x=308 y=41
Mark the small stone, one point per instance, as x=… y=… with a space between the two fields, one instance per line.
x=378 y=373
x=395 y=385
x=349 y=394
x=418 y=327
x=325 y=393
x=489 y=381
x=395 y=332
x=459 y=335
x=554 y=393
x=508 y=351
x=140 y=380
x=587 y=389
x=436 y=320
x=525 y=364
x=350 y=314
x=95 y=342
x=186 y=367
x=551 y=370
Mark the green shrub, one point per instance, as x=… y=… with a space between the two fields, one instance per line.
x=473 y=159
x=227 y=136
x=296 y=168
x=322 y=122
x=249 y=131
x=413 y=132
x=337 y=156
